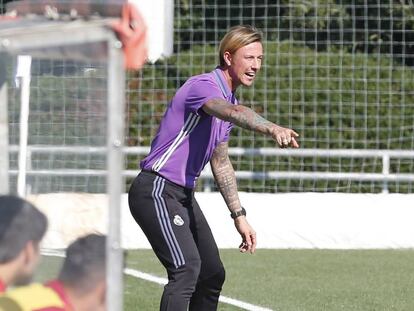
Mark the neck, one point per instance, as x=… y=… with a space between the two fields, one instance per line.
x=229 y=79
x=75 y=299
x=7 y=273
x=80 y=300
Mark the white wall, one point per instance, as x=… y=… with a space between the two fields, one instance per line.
x=294 y=220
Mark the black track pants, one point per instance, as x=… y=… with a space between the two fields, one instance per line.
x=181 y=238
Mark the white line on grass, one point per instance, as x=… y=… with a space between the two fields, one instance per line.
x=52 y=252
x=163 y=281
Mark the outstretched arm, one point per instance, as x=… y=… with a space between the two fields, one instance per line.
x=226 y=182
x=248 y=119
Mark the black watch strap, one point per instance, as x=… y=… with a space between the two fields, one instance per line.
x=241 y=212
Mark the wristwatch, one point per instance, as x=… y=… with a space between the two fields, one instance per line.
x=241 y=212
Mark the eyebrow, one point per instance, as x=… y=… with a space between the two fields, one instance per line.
x=250 y=55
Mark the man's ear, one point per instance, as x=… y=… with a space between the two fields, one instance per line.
x=28 y=252
x=227 y=58
x=101 y=290
x=31 y=251
x=31 y=254
x=28 y=260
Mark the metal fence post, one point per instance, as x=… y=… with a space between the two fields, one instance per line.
x=385 y=171
x=4 y=136
x=115 y=181
x=24 y=63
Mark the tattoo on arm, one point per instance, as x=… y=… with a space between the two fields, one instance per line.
x=240 y=115
x=225 y=177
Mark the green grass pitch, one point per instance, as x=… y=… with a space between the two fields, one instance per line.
x=289 y=280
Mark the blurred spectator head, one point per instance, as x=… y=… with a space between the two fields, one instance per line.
x=83 y=273
x=22 y=227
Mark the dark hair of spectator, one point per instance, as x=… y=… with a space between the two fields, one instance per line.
x=85 y=263
x=20 y=222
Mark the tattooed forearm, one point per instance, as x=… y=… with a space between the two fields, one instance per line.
x=225 y=177
x=248 y=119
x=240 y=115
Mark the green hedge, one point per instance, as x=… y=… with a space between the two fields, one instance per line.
x=333 y=99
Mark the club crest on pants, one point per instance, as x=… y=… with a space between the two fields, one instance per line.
x=178 y=221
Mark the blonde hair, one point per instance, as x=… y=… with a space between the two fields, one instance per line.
x=237 y=37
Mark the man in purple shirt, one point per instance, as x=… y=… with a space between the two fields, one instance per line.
x=194 y=131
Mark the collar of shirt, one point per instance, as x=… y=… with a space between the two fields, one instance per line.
x=2 y=286
x=57 y=286
x=223 y=85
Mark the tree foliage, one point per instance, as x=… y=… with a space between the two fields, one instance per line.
x=380 y=26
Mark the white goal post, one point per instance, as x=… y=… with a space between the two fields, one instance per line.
x=47 y=40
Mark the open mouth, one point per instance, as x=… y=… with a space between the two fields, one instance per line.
x=250 y=74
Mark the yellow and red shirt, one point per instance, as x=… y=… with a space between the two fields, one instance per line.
x=36 y=297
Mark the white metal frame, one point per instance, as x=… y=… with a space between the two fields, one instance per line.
x=4 y=128
x=18 y=38
x=23 y=79
x=385 y=176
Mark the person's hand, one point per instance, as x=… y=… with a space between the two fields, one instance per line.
x=284 y=137
x=247 y=233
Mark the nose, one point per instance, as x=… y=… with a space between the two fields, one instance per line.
x=256 y=64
